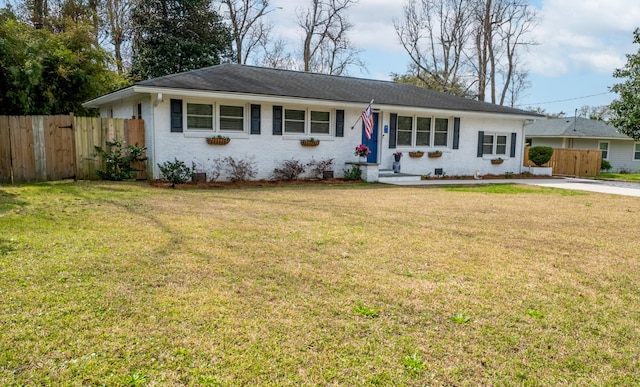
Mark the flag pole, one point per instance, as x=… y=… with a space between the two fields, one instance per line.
x=360 y=116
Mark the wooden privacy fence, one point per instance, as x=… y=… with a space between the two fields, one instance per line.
x=46 y=148
x=571 y=162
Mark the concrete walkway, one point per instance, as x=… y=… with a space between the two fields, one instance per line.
x=601 y=186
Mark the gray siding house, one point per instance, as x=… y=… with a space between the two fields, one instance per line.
x=622 y=152
x=267 y=112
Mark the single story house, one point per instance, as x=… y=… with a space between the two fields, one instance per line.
x=622 y=152
x=266 y=113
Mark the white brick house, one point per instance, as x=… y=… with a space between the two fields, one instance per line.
x=266 y=112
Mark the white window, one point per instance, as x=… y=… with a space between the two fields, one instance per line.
x=231 y=118
x=636 y=151
x=604 y=147
x=422 y=131
x=199 y=116
x=320 y=122
x=494 y=144
x=216 y=117
x=299 y=121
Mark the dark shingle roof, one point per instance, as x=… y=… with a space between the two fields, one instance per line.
x=573 y=127
x=287 y=83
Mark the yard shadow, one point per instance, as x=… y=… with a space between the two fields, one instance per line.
x=9 y=201
x=6 y=246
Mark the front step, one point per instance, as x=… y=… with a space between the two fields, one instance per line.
x=387 y=176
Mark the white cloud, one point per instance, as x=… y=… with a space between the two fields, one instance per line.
x=584 y=36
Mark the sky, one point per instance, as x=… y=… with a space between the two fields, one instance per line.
x=581 y=43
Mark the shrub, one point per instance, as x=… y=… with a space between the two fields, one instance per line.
x=540 y=155
x=290 y=170
x=319 y=167
x=175 y=172
x=240 y=170
x=212 y=167
x=605 y=165
x=355 y=173
x=118 y=160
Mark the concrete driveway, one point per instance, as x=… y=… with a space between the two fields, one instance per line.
x=601 y=186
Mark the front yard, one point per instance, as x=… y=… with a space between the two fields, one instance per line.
x=126 y=284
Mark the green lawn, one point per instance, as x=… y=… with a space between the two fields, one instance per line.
x=129 y=285
x=620 y=176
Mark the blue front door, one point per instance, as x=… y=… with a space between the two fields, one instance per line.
x=372 y=143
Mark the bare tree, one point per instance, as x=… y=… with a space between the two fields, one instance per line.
x=247 y=25
x=116 y=15
x=501 y=31
x=475 y=43
x=276 y=56
x=326 y=47
x=434 y=33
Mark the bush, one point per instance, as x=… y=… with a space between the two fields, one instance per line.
x=290 y=170
x=118 y=160
x=605 y=165
x=318 y=168
x=355 y=173
x=240 y=170
x=540 y=155
x=175 y=172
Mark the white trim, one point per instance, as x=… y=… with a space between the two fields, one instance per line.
x=608 y=148
x=280 y=100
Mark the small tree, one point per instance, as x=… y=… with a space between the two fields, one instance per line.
x=175 y=172
x=119 y=160
x=626 y=110
x=540 y=155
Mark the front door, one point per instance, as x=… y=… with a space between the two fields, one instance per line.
x=372 y=143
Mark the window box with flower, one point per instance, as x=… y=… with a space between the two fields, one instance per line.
x=310 y=142
x=218 y=140
x=416 y=154
x=435 y=154
x=497 y=161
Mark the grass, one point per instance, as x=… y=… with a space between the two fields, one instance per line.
x=620 y=176
x=128 y=285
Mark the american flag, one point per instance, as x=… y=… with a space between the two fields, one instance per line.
x=367 y=120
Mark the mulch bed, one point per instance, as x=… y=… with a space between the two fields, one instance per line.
x=281 y=183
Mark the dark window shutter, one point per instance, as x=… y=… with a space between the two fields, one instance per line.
x=339 y=123
x=277 y=120
x=513 y=144
x=255 y=119
x=393 y=122
x=456 y=133
x=176 y=115
x=480 y=140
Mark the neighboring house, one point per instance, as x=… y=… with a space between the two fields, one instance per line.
x=266 y=112
x=622 y=152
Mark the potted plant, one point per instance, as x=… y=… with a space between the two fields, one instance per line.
x=540 y=155
x=397 y=156
x=362 y=151
x=435 y=154
x=417 y=153
x=497 y=161
x=310 y=142
x=218 y=140
x=396 y=164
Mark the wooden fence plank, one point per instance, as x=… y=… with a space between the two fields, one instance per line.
x=134 y=135
x=39 y=147
x=22 y=149
x=5 y=151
